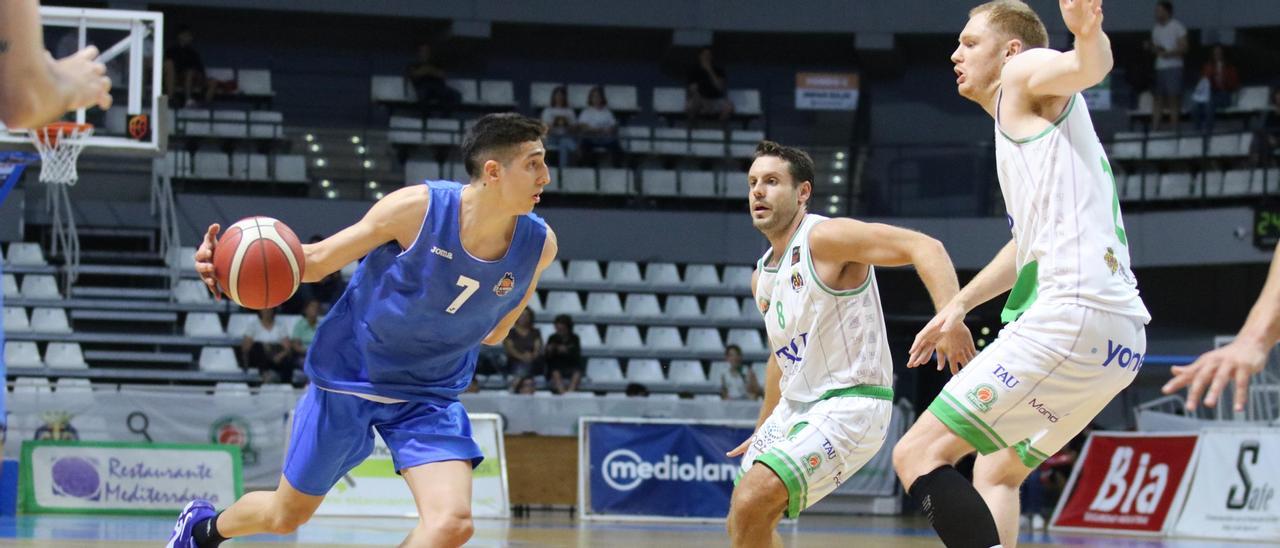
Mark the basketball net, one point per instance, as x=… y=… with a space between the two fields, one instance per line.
x=59 y=145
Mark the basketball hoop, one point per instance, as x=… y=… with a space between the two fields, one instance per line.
x=59 y=145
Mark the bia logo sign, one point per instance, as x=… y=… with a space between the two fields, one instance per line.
x=1125 y=492
x=1245 y=495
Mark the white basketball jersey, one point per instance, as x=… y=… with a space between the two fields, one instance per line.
x=1064 y=212
x=823 y=339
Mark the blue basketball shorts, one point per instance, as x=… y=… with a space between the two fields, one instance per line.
x=332 y=433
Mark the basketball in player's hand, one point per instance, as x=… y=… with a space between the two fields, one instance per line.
x=259 y=262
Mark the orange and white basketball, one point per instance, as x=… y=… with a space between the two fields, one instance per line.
x=259 y=262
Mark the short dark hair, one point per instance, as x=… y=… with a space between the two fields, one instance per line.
x=564 y=319
x=799 y=163
x=497 y=131
x=734 y=348
x=1167 y=5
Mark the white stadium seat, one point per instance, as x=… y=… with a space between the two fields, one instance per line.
x=15 y=320
x=686 y=371
x=645 y=371
x=563 y=302
x=192 y=292
x=665 y=338
x=22 y=354
x=585 y=271
x=25 y=254
x=705 y=338
x=748 y=339
x=604 y=303
x=682 y=306
x=737 y=276
x=50 y=320
x=661 y=274
x=701 y=275
x=202 y=324
x=216 y=359
x=642 y=304
x=604 y=370
x=553 y=273
x=64 y=355
x=622 y=336
x=588 y=335
x=11 y=287
x=623 y=272
x=722 y=307
x=40 y=286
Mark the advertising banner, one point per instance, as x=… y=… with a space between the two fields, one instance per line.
x=126 y=478
x=826 y=91
x=1233 y=490
x=374 y=489
x=657 y=468
x=1127 y=483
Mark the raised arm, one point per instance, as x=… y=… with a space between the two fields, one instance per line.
x=549 y=250
x=35 y=89
x=1239 y=360
x=1043 y=72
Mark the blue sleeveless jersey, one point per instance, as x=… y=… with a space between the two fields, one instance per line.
x=410 y=323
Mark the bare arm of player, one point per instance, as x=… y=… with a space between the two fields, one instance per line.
x=994 y=279
x=549 y=250
x=837 y=244
x=772 y=393
x=34 y=88
x=1043 y=72
x=1239 y=360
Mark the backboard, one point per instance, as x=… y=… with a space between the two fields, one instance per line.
x=132 y=47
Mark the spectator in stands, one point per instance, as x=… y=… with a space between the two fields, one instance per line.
x=267 y=349
x=598 y=127
x=526 y=386
x=562 y=126
x=739 y=381
x=1267 y=139
x=637 y=390
x=326 y=290
x=1221 y=79
x=1169 y=43
x=563 y=356
x=428 y=81
x=524 y=347
x=184 y=73
x=708 y=95
x=304 y=330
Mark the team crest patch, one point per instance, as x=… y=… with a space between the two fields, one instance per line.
x=983 y=397
x=505 y=285
x=797 y=281
x=1110 y=259
x=811 y=463
x=764 y=306
x=795 y=255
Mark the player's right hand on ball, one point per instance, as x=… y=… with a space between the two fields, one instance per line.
x=741 y=448
x=204 y=260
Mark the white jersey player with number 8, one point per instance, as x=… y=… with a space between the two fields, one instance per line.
x=829 y=383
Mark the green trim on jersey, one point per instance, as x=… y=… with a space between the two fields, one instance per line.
x=791 y=476
x=964 y=424
x=813 y=273
x=1115 y=203
x=1030 y=456
x=1024 y=292
x=764 y=262
x=796 y=428
x=1070 y=103
x=861 y=390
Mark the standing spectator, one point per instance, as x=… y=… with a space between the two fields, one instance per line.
x=561 y=126
x=707 y=95
x=184 y=72
x=1169 y=42
x=1223 y=81
x=523 y=346
x=304 y=331
x=739 y=382
x=564 y=357
x=266 y=348
x=428 y=81
x=598 y=126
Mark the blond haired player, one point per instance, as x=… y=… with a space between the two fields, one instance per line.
x=1079 y=333
x=829 y=388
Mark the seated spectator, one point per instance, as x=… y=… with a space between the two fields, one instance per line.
x=524 y=347
x=184 y=73
x=563 y=356
x=562 y=126
x=304 y=331
x=708 y=95
x=598 y=127
x=428 y=81
x=267 y=349
x=739 y=382
x=526 y=386
x=637 y=390
x=1219 y=75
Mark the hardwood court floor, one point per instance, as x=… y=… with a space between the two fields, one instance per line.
x=540 y=530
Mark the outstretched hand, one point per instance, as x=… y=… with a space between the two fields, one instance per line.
x=83 y=78
x=741 y=448
x=946 y=335
x=204 y=260
x=1235 y=362
x=1083 y=17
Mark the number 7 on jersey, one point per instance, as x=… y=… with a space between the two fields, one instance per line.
x=469 y=287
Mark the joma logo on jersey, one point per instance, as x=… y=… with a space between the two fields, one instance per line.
x=1122 y=355
x=793 y=351
x=442 y=253
x=1005 y=376
x=1044 y=411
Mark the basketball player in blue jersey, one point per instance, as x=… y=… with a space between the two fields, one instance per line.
x=446 y=267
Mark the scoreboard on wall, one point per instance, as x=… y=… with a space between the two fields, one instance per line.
x=1266 y=225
